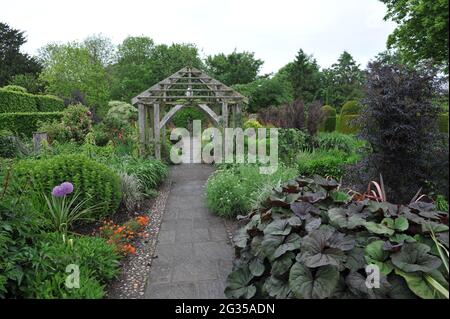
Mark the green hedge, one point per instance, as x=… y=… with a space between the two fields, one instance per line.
x=329 y=119
x=49 y=103
x=15 y=101
x=443 y=123
x=351 y=108
x=26 y=123
x=347 y=125
x=12 y=101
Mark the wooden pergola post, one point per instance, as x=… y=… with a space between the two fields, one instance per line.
x=157 y=131
x=142 y=121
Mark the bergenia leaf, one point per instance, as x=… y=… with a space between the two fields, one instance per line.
x=415 y=257
x=277 y=288
x=238 y=284
x=292 y=242
x=375 y=254
x=306 y=285
x=256 y=267
x=282 y=264
x=278 y=227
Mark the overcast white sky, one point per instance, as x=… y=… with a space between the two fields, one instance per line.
x=273 y=29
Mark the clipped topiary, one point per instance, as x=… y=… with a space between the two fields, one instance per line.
x=329 y=119
x=15 y=88
x=96 y=182
x=252 y=123
x=351 y=108
x=308 y=240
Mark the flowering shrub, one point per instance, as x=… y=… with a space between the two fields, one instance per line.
x=122 y=236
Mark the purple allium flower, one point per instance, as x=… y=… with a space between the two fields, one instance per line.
x=58 y=191
x=63 y=189
x=68 y=187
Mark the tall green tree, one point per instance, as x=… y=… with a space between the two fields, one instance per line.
x=342 y=82
x=70 y=68
x=141 y=64
x=132 y=73
x=12 y=61
x=100 y=48
x=422 y=31
x=304 y=74
x=234 y=68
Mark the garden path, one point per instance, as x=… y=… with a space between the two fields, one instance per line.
x=193 y=255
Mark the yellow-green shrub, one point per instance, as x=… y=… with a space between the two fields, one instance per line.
x=443 y=123
x=348 y=125
x=97 y=183
x=351 y=108
x=329 y=119
x=13 y=101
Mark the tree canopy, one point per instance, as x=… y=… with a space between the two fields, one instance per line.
x=305 y=77
x=12 y=61
x=234 y=68
x=422 y=31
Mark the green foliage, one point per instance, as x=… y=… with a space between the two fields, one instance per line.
x=75 y=124
x=305 y=77
x=123 y=112
x=342 y=82
x=49 y=103
x=14 y=101
x=266 y=92
x=290 y=141
x=28 y=81
x=329 y=119
x=97 y=261
x=12 y=60
x=334 y=140
x=132 y=191
x=8 y=144
x=15 y=88
x=351 y=108
x=252 y=123
x=142 y=64
x=20 y=224
x=27 y=123
x=149 y=172
x=97 y=183
x=235 y=68
x=348 y=124
x=301 y=243
x=443 y=123
x=69 y=68
x=422 y=30
x=186 y=116
x=231 y=192
x=324 y=162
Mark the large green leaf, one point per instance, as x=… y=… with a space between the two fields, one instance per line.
x=415 y=257
x=276 y=287
x=269 y=244
x=238 y=284
x=256 y=267
x=303 y=209
x=356 y=283
x=292 y=242
x=379 y=229
x=400 y=223
x=282 y=264
x=316 y=250
x=355 y=259
x=320 y=285
x=241 y=238
x=375 y=254
x=343 y=218
x=278 y=227
x=418 y=284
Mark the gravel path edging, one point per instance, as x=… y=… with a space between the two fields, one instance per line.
x=131 y=282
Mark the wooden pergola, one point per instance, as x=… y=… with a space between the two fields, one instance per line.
x=187 y=87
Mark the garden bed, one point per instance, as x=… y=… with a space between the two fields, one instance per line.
x=135 y=268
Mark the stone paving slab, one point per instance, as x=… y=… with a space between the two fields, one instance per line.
x=193 y=255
